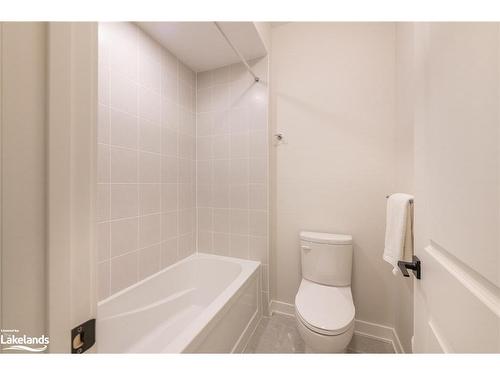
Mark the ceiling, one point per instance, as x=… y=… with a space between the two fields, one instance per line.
x=201 y=46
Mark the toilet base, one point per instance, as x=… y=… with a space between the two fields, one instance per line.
x=318 y=343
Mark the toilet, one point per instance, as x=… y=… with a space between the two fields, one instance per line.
x=324 y=309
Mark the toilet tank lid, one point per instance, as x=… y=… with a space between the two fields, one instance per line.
x=326 y=238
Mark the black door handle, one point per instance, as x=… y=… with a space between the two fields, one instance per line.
x=414 y=265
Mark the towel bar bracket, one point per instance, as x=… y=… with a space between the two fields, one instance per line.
x=414 y=265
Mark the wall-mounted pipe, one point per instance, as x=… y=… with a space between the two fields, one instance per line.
x=242 y=58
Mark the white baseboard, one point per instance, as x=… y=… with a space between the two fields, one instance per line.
x=378 y=332
x=368 y=337
x=281 y=308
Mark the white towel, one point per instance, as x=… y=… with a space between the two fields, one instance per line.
x=398 y=230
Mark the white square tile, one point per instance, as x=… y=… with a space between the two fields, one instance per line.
x=238 y=173
x=186 y=146
x=220 y=196
x=169 y=199
x=219 y=97
x=103 y=163
x=102 y=202
x=149 y=199
x=123 y=168
x=221 y=243
x=239 y=145
x=149 y=230
x=150 y=72
x=123 y=94
x=169 y=252
x=103 y=86
x=150 y=136
x=258 y=144
x=169 y=142
x=103 y=275
x=149 y=261
x=185 y=170
x=170 y=115
x=186 y=222
x=221 y=146
x=239 y=221
x=103 y=124
x=102 y=242
x=239 y=196
x=124 y=236
x=239 y=120
x=124 y=200
x=258 y=249
x=150 y=105
x=124 y=271
x=170 y=225
x=258 y=115
x=258 y=196
x=205 y=242
x=204 y=195
x=169 y=169
x=123 y=129
x=204 y=172
x=186 y=196
x=204 y=124
x=170 y=78
x=204 y=148
x=239 y=246
x=186 y=95
x=149 y=167
x=221 y=171
x=186 y=245
x=205 y=219
x=204 y=100
x=258 y=223
x=220 y=123
x=221 y=220
x=258 y=170
x=187 y=122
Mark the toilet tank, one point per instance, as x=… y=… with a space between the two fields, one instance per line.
x=326 y=258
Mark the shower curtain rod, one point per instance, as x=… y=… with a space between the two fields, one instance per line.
x=237 y=52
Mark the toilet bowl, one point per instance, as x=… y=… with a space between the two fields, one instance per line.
x=324 y=317
x=324 y=308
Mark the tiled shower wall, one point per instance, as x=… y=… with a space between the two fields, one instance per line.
x=232 y=164
x=146 y=158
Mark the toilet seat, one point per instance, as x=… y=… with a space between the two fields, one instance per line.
x=327 y=310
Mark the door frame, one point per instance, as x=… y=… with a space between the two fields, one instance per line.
x=71 y=162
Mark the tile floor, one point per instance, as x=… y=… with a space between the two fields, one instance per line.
x=278 y=334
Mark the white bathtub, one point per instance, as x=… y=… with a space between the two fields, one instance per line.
x=204 y=303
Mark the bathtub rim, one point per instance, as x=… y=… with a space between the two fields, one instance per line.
x=184 y=260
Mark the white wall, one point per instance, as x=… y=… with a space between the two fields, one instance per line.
x=146 y=156
x=23 y=177
x=333 y=98
x=404 y=133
